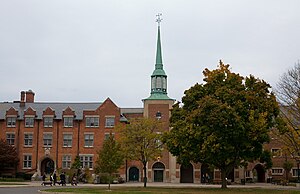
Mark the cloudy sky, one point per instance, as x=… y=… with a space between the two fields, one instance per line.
x=88 y=50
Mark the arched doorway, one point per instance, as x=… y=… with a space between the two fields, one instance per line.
x=207 y=174
x=134 y=174
x=47 y=166
x=187 y=173
x=158 y=170
x=259 y=173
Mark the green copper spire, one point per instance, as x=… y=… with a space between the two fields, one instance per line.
x=158 y=77
x=158 y=52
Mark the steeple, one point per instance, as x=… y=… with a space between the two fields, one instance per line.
x=158 y=50
x=158 y=77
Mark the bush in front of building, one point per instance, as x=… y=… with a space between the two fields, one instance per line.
x=24 y=176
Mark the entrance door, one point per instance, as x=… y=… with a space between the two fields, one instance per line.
x=47 y=166
x=187 y=173
x=158 y=175
x=158 y=170
x=259 y=173
x=134 y=174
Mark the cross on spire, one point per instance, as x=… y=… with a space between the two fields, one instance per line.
x=158 y=18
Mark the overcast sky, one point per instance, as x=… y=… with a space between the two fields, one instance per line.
x=88 y=50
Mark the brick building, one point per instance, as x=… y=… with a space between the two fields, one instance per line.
x=49 y=136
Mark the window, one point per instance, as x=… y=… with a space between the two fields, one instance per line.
x=110 y=121
x=67 y=140
x=247 y=173
x=158 y=82
x=48 y=121
x=153 y=84
x=295 y=172
x=68 y=121
x=276 y=152
x=47 y=139
x=158 y=115
x=66 y=161
x=27 y=161
x=86 y=161
x=277 y=171
x=29 y=121
x=10 y=138
x=28 y=139
x=106 y=137
x=164 y=80
x=11 y=121
x=92 y=121
x=88 y=140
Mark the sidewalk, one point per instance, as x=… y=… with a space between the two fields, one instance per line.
x=140 y=184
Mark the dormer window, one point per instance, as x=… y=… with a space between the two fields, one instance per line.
x=48 y=121
x=29 y=121
x=68 y=121
x=11 y=121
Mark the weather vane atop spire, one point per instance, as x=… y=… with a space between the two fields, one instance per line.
x=158 y=18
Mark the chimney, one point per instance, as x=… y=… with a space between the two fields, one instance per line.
x=22 y=102
x=29 y=96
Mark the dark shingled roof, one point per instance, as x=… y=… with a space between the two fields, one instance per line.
x=39 y=107
x=58 y=108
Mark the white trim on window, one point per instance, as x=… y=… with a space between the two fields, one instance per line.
x=29 y=142
x=10 y=138
x=276 y=152
x=110 y=121
x=27 y=164
x=277 y=171
x=67 y=121
x=11 y=120
x=87 y=160
x=89 y=143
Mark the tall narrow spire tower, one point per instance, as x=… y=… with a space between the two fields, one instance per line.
x=158 y=77
x=158 y=106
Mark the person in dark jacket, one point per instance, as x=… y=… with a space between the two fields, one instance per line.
x=62 y=177
x=54 y=177
x=44 y=177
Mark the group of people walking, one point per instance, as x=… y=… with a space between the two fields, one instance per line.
x=62 y=177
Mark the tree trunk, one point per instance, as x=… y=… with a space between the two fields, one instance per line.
x=145 y=173
x=224 y=181
x=109 y=181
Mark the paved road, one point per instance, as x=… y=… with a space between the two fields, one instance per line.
x=34 y=187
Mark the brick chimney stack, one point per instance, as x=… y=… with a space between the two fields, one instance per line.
x=22 y=102
x=29 y=96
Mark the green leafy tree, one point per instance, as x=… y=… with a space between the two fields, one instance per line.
x=110 y=158
x=76 y=165
x=8 y=156
x=223 y=122
x=141 y=141
x=287 y=166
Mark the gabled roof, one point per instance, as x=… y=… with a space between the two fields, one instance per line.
x=39 y=107
x=58 y=108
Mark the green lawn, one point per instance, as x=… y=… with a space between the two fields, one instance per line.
x=154 y=190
